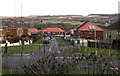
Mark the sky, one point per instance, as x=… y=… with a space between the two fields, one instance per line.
x=57 y=7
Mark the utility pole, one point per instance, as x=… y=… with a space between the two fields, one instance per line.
x=42 y=36
x=95 y=40
x=22 y=45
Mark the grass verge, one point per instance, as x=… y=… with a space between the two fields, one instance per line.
x=31 y=49
x=61 y=42
x=102 y=53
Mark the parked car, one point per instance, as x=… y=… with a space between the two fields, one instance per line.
x=46 y=41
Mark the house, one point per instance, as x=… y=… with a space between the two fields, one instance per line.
x=15 y=29
x=73 y=30
x=53 y=31
x=3 y=34
x=112 y=32
x=89 y=30
x=33 y=31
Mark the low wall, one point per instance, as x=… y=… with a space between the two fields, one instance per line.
x=114 y=45
x=17 y=44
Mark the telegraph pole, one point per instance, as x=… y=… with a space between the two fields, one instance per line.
x=95 y=40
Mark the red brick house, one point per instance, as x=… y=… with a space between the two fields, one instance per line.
x=3 y=33
x=53 y=31
x=88 y=30
x=15 y=29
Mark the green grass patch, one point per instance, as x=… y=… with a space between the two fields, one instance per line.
x=62 y=44
x=12 y=72
x=32 y=49
x=89 y=50
x=68 y=50
x=17 y=72
x=12 y=49
x=59 y=40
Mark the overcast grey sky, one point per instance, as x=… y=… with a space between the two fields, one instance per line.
x=57 y=7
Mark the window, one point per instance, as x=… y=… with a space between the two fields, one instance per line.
x=91 y=32
x=8 y=29
x=1 y=29
x=91 y=27
x=108 y=35
x=48 y=32
x=118 y=32
x=54 y=32
x=1 y=38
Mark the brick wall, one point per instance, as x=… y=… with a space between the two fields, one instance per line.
x=86 y=34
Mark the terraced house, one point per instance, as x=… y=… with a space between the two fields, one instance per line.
x=14 y=30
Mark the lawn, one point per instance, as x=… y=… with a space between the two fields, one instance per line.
x=89 y=50
x=61 y=42
x=106 y=53
x=31 y=49
x=13 y=49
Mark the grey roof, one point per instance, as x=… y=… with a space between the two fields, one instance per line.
x=14 y=24
x=114 y=26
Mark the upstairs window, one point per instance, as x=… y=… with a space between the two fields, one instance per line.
x=108 y=35
x=1 y=29
x=91 y=32
x=118 y=32
x=8 y=29
x=1 y=38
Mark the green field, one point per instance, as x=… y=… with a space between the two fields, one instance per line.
x=55 y=21
x=65 y=22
